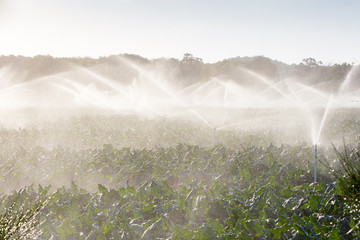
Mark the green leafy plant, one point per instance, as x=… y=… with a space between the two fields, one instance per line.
x=21 y=222
x=349 y=182
x=349 y=178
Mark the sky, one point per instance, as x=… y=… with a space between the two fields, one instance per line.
x=285 y=30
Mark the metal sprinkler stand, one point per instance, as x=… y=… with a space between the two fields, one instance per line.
x=315 y=163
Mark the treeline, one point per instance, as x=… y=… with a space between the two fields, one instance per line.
x=182 y=72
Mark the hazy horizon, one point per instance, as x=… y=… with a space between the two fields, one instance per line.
x=302 y=61
x=213 y=30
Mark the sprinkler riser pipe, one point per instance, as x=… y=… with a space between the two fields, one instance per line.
x=315 y=163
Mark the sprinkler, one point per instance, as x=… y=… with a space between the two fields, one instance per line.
x=315 y=162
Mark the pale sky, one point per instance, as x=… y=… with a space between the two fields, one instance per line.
x=285 y=30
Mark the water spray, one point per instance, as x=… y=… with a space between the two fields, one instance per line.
x=318 y=136
x=167 y=91
x=347 y=80
x=269 y=83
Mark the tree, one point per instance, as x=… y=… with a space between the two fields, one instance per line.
x=190 y=69
x=311 y=62
x=264 y=66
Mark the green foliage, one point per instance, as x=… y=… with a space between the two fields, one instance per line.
x=350 y=181
x=18 y=219
x=181 y=191
x=253 y=193
x=349 y=184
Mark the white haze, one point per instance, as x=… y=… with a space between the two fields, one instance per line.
x=216 y=104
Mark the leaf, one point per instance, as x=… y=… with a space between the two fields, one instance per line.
x=334 y=234
x=245 y=173
x=122 y=191
x=313 y=202
x=213 y=229
x=131 y=190
x=102 y=189
x=148 y=232
x=182 y=233
x=337 y=190
x=156 y=189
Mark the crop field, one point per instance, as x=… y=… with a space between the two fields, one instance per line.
x=108 y=176
x=179 y=120
x=124 y=147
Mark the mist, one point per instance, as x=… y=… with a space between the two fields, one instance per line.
x=129 y=101
x=104 y=131
x=211 y=94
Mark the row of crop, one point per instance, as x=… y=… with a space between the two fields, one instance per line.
x=131 y=131
x=155 y=210
x=177 y=165
x=183 y=192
